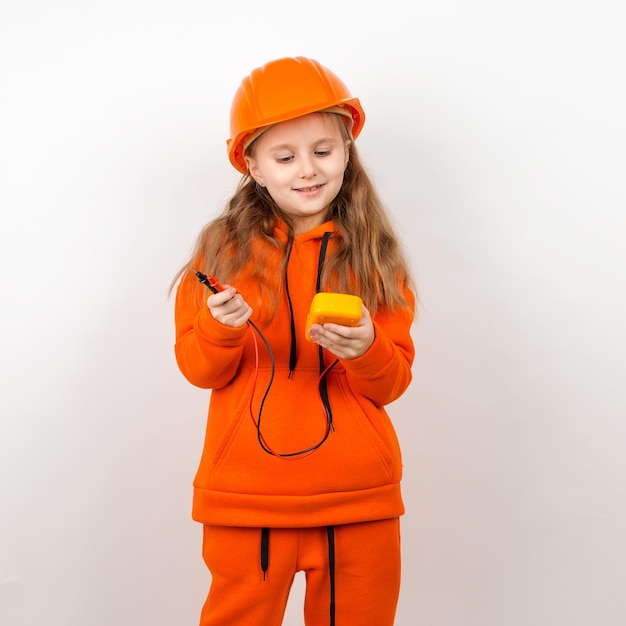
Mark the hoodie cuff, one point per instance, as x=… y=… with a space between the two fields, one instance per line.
x=208 y=329
x=375 y=360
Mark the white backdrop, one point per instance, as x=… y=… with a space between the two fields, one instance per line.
x=496 y=135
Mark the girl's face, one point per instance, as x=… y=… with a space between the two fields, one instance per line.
x=301 y=162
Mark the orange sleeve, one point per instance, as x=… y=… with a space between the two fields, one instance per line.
x=383 y=373
x=207 y=352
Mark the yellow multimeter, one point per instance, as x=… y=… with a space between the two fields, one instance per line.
x=334 y=308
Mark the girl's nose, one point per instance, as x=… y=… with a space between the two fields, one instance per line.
x=307 y=168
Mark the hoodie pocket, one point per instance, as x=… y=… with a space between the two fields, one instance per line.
x=235 y=415
x=354 y=457
x=363 y=421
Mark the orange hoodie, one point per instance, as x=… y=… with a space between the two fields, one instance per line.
x=355 y=474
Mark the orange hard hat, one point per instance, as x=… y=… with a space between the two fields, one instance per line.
x=281 y=90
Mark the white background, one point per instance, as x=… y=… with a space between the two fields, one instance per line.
x=496 y=136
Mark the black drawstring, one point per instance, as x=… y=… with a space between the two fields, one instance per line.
x=321 y=259
x=323 y=385
x=292 y=328
x=265 y=550
x=331 y=569
x=293 y=353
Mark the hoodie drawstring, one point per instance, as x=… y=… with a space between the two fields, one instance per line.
x=323 y=385
x=321 y=259
x=265 y=550
x=331 y=568
x=330 y=533
x=292 y=321
x=293 y=348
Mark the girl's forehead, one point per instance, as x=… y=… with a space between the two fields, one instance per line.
x=326 y=125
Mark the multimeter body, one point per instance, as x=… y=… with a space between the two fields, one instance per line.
x=334 y=308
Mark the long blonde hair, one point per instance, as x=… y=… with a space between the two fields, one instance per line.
x=366 y=257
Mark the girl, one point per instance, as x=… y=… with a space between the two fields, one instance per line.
x=301 y=466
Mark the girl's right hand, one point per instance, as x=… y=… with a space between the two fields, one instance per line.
x=228 y=307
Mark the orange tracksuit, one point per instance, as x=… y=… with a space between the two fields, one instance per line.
x=352 y=478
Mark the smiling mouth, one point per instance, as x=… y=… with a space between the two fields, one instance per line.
x=312 y=188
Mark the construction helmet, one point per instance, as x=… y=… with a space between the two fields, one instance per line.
x=282 y=90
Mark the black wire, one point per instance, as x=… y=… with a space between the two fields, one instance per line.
x=203 y=278
x=329 y=419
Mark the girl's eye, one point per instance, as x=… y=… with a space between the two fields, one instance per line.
x=322 y=153
x=284 y=159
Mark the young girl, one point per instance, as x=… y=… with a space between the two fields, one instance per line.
x=301 y=466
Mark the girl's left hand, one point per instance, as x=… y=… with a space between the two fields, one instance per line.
x=345 y=342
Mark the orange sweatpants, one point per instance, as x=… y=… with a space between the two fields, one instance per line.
x=366 y=574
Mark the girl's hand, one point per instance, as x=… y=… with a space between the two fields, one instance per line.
x=229 y=308
x=345 y=342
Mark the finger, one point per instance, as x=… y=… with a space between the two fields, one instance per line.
x=237 y=317
x=337 y=332
x=221 y=297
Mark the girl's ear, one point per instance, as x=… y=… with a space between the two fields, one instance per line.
x=346 y=157
x=254 y=170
